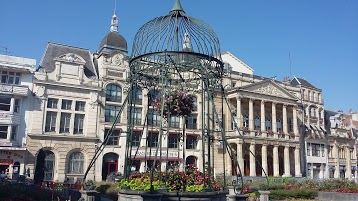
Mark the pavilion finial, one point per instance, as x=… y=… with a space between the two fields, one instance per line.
x=177 y=6
x=114 y=20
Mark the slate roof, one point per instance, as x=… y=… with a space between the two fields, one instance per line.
x=113 y=39
x=297 y=81
x=54 y=50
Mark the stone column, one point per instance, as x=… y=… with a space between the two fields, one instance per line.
x=263 y=126
x=238 y=113
x=297 y=162
x=276 y=164
x=348 y=162
x=287 y=161
x=284 y=119
x=252 y=160
x=264 y=159
x=273 y=120
x=251 y=114
x=321 y=171
x=240 y=157
x=308 y=113
x=336 y=160
x=229 y=162
x=9 y=131
x=294 y=118
x=322 y=116
x=143 y=140
x=12 y=105
x=318 y=119
x=142 y=167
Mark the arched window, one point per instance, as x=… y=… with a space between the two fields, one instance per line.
x=195 y=103
x=313 y=111
x=76 y=163
x=246 y=120
x=137 y=96
x=278 y=124
x=268 y=123
x=191 y=160
x=257 y=122
x=153 y=94
x=113 y=93
x=49 y=165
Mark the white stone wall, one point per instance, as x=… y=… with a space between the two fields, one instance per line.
x=21 y=91
x=67 y=82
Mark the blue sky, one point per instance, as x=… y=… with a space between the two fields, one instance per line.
x=321 y=35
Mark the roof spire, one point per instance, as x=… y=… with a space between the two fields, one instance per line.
x=115 y=7
x=114 y=21
x=177 y=6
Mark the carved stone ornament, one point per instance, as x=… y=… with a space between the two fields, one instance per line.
x=94 y=99
x=270 y=90
x=107 y=60
x=71 y=57
x=117 y=60
x=40 y=92
x=42 y=70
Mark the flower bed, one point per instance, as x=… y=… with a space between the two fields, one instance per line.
x=290 y=188
x=191 y=180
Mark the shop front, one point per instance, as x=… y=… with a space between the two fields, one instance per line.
x=12 y=161
x=143 y=160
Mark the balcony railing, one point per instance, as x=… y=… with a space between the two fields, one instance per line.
x=14 y=89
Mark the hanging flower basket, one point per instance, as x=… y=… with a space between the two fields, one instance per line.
x=175 y=104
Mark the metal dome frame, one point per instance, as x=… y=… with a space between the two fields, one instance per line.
x=159 y=62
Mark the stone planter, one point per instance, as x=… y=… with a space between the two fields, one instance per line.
x=91 y=195
x=191 y=196
x=232 y=196
x=152 y=197
x=264 y=195
x=129 y=195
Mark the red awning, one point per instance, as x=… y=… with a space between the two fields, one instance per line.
x=6 y=162
x=158 y=159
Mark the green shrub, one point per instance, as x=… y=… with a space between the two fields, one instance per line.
x=101 y=187
x=195 y=188
x=108 y=188
x=139 y=184
x=112 y=192
x=293 y=194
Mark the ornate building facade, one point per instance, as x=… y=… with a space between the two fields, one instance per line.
x=62 y=131
x=341 y=141
x=266 y=113
x=314 y=158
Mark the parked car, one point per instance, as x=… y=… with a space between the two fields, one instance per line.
x=114 y=177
